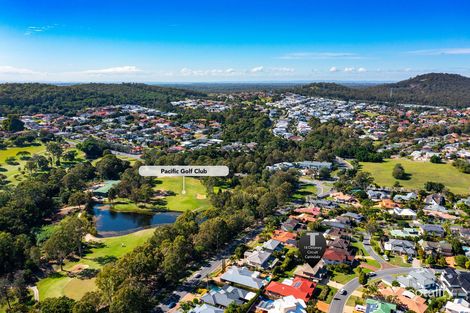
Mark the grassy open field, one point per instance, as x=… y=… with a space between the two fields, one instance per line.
x=304 y=191
x=195 y=197
x=12 y=170
x=421 y=172
x=108 y=250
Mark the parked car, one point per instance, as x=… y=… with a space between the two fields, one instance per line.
x=342 y=292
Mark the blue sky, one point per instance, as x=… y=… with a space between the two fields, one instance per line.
x=231 y=40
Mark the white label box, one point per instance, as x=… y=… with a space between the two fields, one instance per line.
x=182 y=170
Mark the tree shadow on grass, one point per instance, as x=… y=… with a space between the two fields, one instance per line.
x=406 y=176
x=103 y=260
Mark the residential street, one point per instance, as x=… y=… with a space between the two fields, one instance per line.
x=200 y=276
x=372 y=252
x=339 y=301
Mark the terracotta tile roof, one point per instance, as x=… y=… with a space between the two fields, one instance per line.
x=300 y=288
x=284 y=236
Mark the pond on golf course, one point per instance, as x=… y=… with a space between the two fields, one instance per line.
x=112 y=223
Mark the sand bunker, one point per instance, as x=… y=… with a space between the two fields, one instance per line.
x=78 y=268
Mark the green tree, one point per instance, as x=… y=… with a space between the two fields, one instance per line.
x=363 y=278
x=13 y=123
x=55 y=150
x=70 y=155
x=399 y=171
x=436 y=159
x=132 y=297
x=57 y=305
x=111 y=167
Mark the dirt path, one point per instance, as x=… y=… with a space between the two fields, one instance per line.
x=35 y=291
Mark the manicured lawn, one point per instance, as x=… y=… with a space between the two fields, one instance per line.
x=195 y=197
x=360 y=247
x=344 y=278
x=12 y=170
x=421 y=172
x=398 y=261
x=353 y=300
x=304 y=191
x=373 y=263
x=126 y=205
x=108 y=250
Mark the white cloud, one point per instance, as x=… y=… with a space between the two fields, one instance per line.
x=210 y=72
x=281 y=70
x=128 y=69
x=319 y=55
x=445 y=51
x=333 y=69
x=361 y=70
x=230 y=72
x=38 y=29
x=257 y=69
x=15 y=70
x=349 y=69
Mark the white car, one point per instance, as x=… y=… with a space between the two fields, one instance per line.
x=342 y=292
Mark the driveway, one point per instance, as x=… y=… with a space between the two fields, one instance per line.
x=372 y=252
x=339 y=301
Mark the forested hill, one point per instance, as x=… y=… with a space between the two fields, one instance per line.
x=41 y=98
x=438 y=89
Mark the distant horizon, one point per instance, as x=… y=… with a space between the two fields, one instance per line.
x=247 y=82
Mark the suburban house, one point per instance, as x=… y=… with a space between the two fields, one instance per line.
x=290 y=225
x=457 y=306
x=336 y=256
x=404 y=233
x=258 y=258
x=405 y=198
x=337 y=233
x=335 y=223
x=273 y=245
x=407 y=299
x=315 y=273
x=206 y=308
x=226 y=295
x=354 y=217
x=376 y=306
x=299 y=288
x=339 y=244
x=462 y=232
x=403 y=213
x=388 y=204
x=422 y=280
x=242 y=276
x=378 y=195
x=432 y=229
x=287 y=304
x=402 y=247
x=435 y=199
x=456 y=283
x=287 y=238
x=315 y=211
x=436 y=248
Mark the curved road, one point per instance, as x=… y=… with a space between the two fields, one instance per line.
x=372 y=252
x=339 y=301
